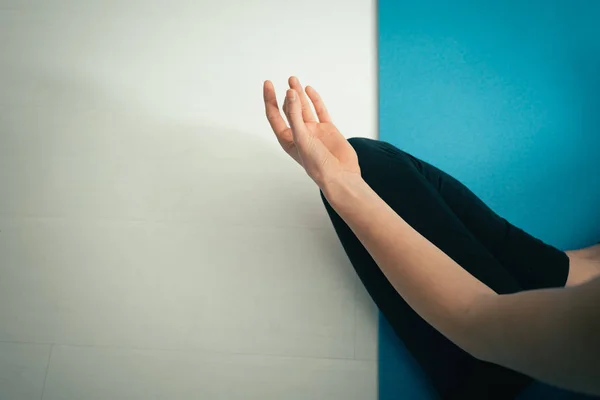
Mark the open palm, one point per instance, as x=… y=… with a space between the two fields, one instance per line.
x=317 y=145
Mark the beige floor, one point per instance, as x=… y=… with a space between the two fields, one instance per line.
x=154 y=242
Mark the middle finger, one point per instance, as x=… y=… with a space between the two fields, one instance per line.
x=307 y=113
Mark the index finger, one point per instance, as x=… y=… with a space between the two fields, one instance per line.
x=272 y=109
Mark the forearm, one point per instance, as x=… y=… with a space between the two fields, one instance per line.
x=433 y=284
x=489 y=326
x=549 y=334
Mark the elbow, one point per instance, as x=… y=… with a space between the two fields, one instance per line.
x=475 y=337
x=470 y=339
x=475 y=348
x=472 y=342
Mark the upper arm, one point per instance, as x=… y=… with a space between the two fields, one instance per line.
x=551 y=334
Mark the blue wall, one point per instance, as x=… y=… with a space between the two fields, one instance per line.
x=504 y=95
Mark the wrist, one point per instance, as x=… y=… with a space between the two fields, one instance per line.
x=344 y=190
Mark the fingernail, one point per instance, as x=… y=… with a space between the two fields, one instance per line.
x=291 y=95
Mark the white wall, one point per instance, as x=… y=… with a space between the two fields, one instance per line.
x=154 y=241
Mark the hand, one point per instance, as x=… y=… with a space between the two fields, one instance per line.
x=318 y=146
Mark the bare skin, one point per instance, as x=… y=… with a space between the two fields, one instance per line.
x=584 y=265
x=548 y=334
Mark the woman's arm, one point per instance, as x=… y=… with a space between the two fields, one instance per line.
x=552 y=335
x=433 y=284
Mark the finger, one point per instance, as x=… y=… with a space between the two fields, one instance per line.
x=293 y=111
x=307 y=112
x=311 y=151
x=272 y=109
x=318 y=103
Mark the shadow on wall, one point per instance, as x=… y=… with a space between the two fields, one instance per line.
x=69 y=150
x=80 y=151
